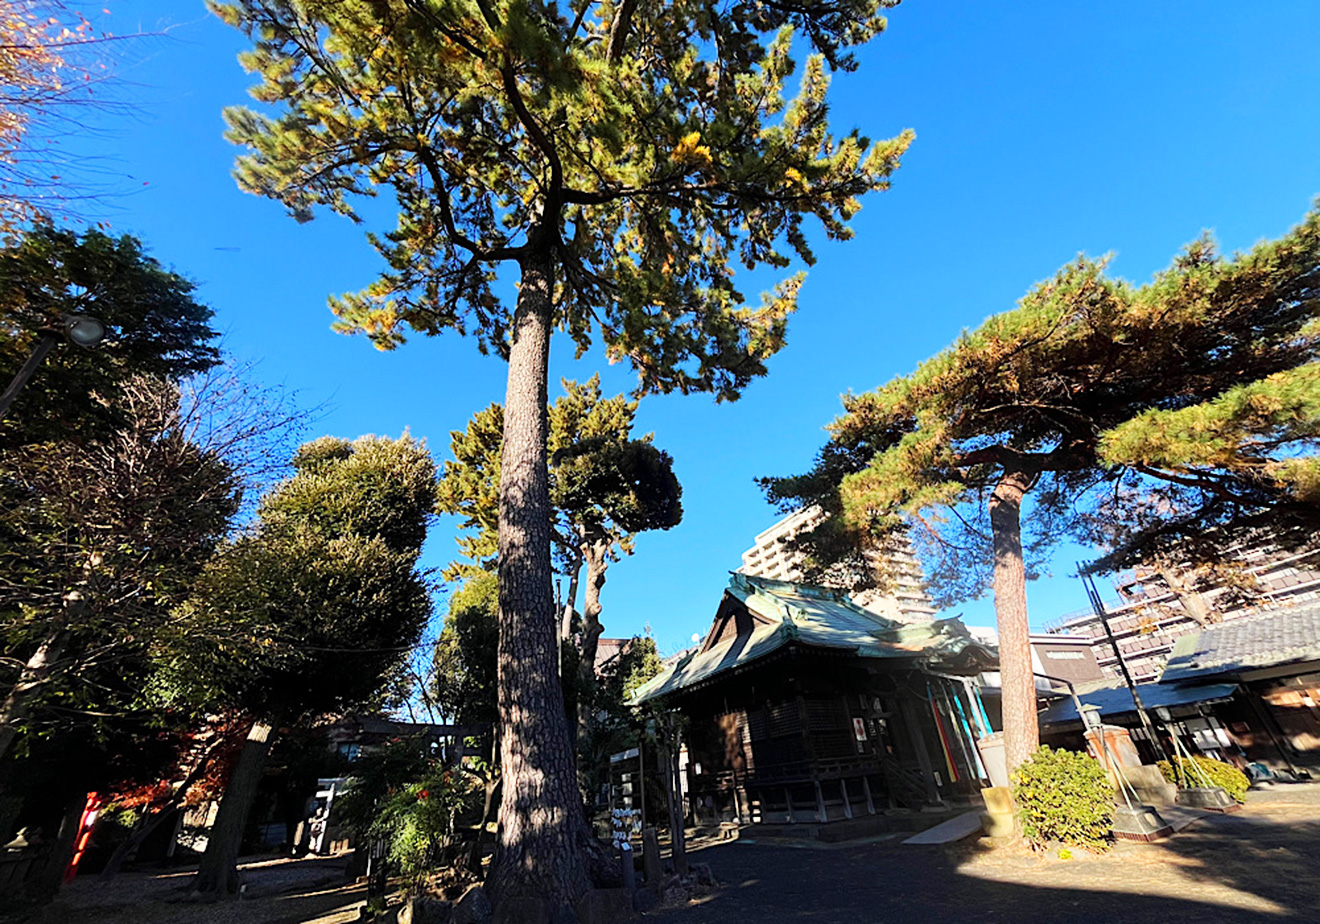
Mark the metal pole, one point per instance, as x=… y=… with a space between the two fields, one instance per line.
x=1072 y=691
x=44 y=345
x=1088 y=581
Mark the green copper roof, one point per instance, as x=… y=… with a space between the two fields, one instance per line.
x=821 y=618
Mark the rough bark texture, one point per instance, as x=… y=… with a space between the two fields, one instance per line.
x=1021 y=731
x=595 y=554
x=541 y=847
x=218 y=872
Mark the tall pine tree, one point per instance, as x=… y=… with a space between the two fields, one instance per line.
x=621 y=158
x=605 y=487
x=1138 y=416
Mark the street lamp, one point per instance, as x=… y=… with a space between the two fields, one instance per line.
x=83 y=330
x=80 y=329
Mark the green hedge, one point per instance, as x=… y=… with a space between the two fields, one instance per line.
x=1064 y=796
x=1233 y=780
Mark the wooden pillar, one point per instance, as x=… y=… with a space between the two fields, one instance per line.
x=866 y=789
x=847 y=803
x=788 y=800
x=918 y=741
x=821 y=816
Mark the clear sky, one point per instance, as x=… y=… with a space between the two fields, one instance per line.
x=1043 y=129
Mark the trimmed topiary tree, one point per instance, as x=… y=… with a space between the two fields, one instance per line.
x=1218 y=773
x=1064 y=796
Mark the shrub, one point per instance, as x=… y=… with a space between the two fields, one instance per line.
x=1233 y=780
x=1064 y=796
x=402 y=795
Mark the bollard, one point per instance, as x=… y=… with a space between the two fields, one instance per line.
x=629 y=874
x=651 y=864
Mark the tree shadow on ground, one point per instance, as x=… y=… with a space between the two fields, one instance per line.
x=313 y=889
x=1257 y=866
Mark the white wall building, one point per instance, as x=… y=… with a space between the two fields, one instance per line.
x=905 y=600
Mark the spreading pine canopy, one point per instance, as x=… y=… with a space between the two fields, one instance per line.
x=1143 y=413
x=643 y=154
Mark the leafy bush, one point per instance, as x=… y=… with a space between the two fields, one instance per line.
x=1233 y=780
x=1064 y=796
x=416 y=820
x=401 y=794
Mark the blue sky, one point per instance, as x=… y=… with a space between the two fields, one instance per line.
x=1043 y=129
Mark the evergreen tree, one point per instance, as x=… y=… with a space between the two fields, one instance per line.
x=605 y=487
x=309 y=612
x=608 y=487
x=1136 y=415
x=466 y=654
x=621 y=159
x=154 y=328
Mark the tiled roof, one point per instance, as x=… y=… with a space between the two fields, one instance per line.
x=607 y=649
x=821 y=618
x=1116 y=699
x=1265 y=640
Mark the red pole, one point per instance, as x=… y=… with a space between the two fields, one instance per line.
x=85 y=827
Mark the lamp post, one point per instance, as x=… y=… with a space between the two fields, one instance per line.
x=79 y=329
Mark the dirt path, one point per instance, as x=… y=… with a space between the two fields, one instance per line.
x=278 y=891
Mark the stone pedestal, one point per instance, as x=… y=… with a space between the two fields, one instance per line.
x=1139 y=823
x=1215 y=798
x=652 y=868
x=1151 y=786
x=999 y=818
x=992 y=755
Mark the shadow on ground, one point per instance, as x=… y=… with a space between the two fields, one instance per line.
x=1255 y=866
x=312 y=890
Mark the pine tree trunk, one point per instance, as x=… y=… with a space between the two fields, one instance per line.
x=217 y=875
x=543 y=838
x=595 y=556
x=1021 y=730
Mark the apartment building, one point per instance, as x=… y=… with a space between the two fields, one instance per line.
x=905 y=600
x=1158 y=605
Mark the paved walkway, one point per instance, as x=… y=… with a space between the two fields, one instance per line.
x=1261 y=864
